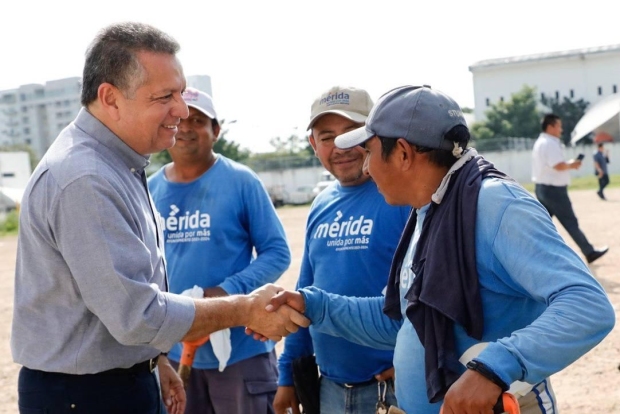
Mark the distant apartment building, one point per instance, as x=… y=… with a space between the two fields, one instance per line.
x=590 y=74
x=35 y=114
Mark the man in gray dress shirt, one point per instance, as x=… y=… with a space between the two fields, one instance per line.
x=92 y=313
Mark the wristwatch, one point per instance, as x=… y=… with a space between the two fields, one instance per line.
x=483 y=370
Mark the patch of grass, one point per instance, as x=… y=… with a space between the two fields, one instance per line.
x=10 y=224
x=589 y=182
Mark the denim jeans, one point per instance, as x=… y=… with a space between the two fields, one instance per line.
x=556 y=201
x=56 y=393
x=337 y=399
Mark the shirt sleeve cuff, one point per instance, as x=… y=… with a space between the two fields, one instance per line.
x=313 y=298
x=230 y=288
x=180 y=313
x=501 y=362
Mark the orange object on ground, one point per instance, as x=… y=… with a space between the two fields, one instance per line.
x=187 y=358
x=506 y=404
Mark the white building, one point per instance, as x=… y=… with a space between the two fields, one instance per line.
x=590 y=74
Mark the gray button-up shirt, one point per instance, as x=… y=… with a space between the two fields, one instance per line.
x=90 y=277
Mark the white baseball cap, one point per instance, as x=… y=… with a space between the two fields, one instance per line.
x=201 y=101
x=351 y=103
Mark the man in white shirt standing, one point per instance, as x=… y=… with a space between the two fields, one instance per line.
x=551 y=174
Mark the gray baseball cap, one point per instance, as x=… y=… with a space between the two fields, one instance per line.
x=419 y=114
x=351 y=103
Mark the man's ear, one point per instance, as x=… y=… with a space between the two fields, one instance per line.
x=312 y=142
x=216 y=131
x=404 y=153
x=108 y=96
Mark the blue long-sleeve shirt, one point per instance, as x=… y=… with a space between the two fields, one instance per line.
x=351 y=236
x=542 y=307
x=211 y=226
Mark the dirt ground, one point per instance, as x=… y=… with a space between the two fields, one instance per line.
x=589 y=386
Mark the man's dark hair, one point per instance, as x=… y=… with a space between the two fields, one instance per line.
x=548 y=120
x=112 y=57
x=600 y=145
x=443 y=158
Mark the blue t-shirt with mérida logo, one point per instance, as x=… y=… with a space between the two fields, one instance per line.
x=351 y=236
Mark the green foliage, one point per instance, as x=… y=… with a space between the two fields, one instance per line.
x=10 y=224
x=231 y=149
x=520 y=116
x=569 y=111
x=293 y=145
x=517 y=117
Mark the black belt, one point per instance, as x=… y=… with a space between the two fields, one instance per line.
x=358 y=384
x=140 y=368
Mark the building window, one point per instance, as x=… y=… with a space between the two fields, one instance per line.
x=615 y=88
x=24 y=109
x=25 y=119
x=488 y=101
x=28 y=141
x=572 y=93
x=600 y=90
x=501 y=99
x=557 y=95
x=26 y=131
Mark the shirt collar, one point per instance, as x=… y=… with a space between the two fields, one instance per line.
x=92 y=126
x=470 y=153
x=549 y=136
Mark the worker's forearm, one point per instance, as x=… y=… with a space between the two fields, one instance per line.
x=215 y=314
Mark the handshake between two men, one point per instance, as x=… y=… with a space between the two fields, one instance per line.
x=258 y=311
x=283 y=302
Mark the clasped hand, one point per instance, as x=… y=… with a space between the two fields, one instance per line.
x=273 y=315
x=279 y=302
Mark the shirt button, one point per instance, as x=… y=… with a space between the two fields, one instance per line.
x=133 y=170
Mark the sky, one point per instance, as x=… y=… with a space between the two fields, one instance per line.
x=268 y=60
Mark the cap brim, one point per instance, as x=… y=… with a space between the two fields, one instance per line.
x=353 y=116
x=212 y=116
x=353 y=138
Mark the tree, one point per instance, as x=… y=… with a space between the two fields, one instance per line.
x=518 y=117
x=229 y=149
x=569 y=111
x=293 y=145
